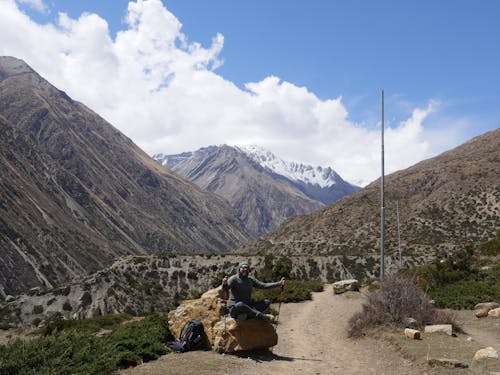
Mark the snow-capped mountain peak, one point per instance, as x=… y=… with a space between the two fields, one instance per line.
x=314 y=175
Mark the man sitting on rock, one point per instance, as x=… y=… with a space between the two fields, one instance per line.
x=240 y=303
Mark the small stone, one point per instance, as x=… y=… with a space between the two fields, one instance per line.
x=488 y=352
x=412 y=334
x=439 y=328
x=494 y=313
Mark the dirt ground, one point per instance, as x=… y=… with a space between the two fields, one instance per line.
x=312 y=340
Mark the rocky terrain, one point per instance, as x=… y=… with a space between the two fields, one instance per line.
x=140 y=284
x=264 y=190
x=77 y=193
x=445 y=203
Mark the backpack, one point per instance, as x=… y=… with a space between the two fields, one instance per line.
x=192 y=337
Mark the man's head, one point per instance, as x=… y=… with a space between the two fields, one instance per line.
x=244 y=268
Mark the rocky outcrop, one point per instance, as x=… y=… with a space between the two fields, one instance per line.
x=223 y=333
x=343 y=286
x=481 y=310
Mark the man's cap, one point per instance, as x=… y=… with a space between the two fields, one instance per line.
x=244 y=265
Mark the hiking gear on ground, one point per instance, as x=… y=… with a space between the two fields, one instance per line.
x=192 y=337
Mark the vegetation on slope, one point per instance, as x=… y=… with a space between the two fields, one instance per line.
x=464 y=279
x=63 y=349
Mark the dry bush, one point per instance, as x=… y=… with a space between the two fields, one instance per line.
x=397 y=299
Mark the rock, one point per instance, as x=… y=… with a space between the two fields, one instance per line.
x=481 y=309
x=447 y=362
x=439 y=328
x=343 y=286
x=495 y=313
x=224 y=334
x=10 y=298
x=250 y=334
x=412 y=334
x=411 y=323
x=488 y=352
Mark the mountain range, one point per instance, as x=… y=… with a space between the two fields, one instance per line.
x=264 y=189
x=77 y=193
x=445 y=203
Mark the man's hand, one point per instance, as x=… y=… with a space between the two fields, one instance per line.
x=282 y=281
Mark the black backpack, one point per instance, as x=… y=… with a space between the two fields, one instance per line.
x=192 y=337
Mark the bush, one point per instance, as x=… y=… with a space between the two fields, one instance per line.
x=67 y=306
x=294 y=291
x=82 y=352
x=465 y=294
x=86 y=299
x=37 y=309
x=397 y=299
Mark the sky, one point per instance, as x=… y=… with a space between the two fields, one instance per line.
x=300 y=78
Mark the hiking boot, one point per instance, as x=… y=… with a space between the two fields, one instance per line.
x=241 y=318
x=270 y=318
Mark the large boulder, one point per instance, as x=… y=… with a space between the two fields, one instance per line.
x=224 y=334
x=481 y=309
x=343 y=286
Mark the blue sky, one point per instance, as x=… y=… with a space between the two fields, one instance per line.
x=292 y=63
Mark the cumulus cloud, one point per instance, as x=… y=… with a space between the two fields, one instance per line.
x=164 y=93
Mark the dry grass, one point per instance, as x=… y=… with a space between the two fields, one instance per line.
x=443 y=346
x=398 y=299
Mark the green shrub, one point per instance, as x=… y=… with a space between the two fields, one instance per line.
x=37 y=309
x=82 y=352
x=67 y=306
x=464 y=294
x=492 y=247
x=294 y=291
x=36 y=322
x=86 y=299
x=5 y=326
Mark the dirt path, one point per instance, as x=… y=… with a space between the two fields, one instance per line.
x=312 y=340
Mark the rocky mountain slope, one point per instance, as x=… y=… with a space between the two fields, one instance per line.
x=264 y=189
x=322 y=184
x=445 y=203
x=141 y=284
x=77 y=193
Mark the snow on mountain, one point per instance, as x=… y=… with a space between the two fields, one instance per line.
x=323 y=177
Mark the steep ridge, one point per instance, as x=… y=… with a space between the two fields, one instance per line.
x=76 y=192
x=445 y=203
x=318 y=183
x=263 y=199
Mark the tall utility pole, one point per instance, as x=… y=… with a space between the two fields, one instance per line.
x=399 y=237
x=382 y=261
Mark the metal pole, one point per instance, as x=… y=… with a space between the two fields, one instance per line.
x=382 y=261
x=399 y=237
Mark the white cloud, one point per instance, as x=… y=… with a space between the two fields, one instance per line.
x=164 y=93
